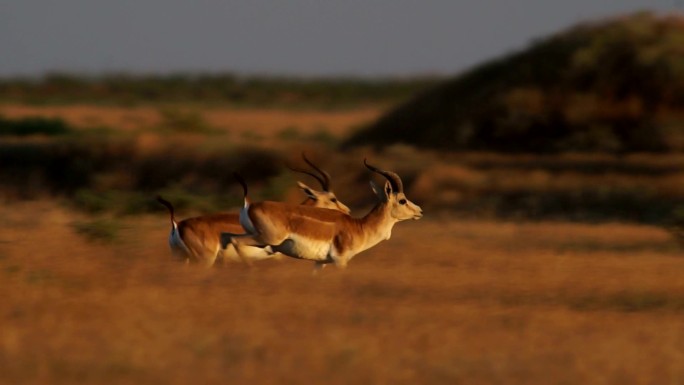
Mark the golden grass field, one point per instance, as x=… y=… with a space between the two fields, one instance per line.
x=445 y=301
x=241 y=123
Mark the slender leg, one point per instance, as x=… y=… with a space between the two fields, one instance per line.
x=242 y=245
x=225 y=239
x=318 y=266
x=243 y=252
x=207 y=258
x=245 y=240
x=340 y=262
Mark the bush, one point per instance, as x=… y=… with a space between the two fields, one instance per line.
x=178 y=120
x=614 y=86
x=289 y=133
x=98 y=230
x=33 y=126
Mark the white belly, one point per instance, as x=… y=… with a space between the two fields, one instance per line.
x=248 y=253
x=298 y=247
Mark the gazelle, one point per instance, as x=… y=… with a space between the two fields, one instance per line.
x=323 y=236
x=198 y=239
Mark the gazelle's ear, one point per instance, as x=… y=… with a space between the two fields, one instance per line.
x=308 y=191
x=388 y=189
x=380 y=193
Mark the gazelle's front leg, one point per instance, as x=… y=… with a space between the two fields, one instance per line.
x=340 y=261
x=245 y=244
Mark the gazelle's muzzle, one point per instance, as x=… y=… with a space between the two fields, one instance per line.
x=419 y=213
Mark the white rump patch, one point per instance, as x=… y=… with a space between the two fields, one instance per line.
x=246 y=221
x=178 y=247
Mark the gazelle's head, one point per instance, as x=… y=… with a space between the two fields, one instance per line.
x=324 y=199
x=393 y=196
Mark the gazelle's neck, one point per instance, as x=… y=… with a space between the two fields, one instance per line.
x=376 y=225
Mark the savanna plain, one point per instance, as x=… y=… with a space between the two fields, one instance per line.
x=457 y=297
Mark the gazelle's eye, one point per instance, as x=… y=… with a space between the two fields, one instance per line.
x=402 y=201
x=333 y=200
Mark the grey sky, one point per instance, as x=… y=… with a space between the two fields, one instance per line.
x=297 y=37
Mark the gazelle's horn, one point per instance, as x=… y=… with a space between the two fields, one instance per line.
x=309 y=173
x=393 y=178
x=326 y=177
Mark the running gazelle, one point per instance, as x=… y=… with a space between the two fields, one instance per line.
x=198 y=239
x=323 y=236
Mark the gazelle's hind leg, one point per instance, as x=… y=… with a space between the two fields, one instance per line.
x=180 y=255
x=179 y=251
x=207 y=258
x=318 y=266
x=201 y=252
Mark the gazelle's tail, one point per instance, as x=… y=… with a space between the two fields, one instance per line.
x=171 y=212
x=245 y=220
x=244 y=187
x=178 y=247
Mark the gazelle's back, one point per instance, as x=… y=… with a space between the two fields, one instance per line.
x=202 y=234
x=208 y=223
x=287 y=219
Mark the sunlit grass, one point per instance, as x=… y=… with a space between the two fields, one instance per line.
x=441 y=301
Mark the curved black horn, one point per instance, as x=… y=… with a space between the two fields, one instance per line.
x=393 y=178
x=325 y=175
x=309 y=173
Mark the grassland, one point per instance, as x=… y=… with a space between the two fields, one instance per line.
x=534 y=265
x=526 y=269
x=241 y=124
x=444 y=301
x=108 y=158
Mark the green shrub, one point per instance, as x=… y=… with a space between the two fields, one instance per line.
x=92 y=202
x=324 y=137
x=128 y=90
x=33 y=126
x=98 y=230
x=289 y=133
x=179 y=120
x=612 y=86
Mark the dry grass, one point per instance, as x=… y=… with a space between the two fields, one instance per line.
x=98 y=299
x=481 y=302
x=239 y=122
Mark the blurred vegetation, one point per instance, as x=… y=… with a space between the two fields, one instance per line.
x=123 y=89
x=105 y=174
x=98 y=230
x=585 y=125
x=611 y=86
x=179 y=120
x=121 y=174
x=579 y=187
x=33 y=126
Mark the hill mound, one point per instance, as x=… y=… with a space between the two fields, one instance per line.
x=611 y=86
